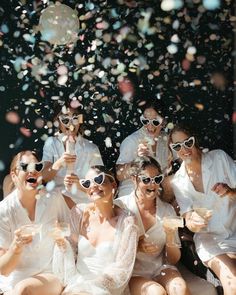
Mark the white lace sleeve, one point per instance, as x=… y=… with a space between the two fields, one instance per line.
x=116 y=276
x=63 y=262
x=75 y=225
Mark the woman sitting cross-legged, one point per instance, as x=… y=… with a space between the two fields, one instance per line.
x=158 y=248
x=104 y=237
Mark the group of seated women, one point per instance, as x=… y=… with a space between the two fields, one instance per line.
x=67 y=226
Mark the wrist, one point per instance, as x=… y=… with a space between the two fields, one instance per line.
x=56 y=166
x=15 y=249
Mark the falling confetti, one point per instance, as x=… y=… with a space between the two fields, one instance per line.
x=113 y=59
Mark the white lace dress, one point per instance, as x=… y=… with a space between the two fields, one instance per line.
x=106 y=268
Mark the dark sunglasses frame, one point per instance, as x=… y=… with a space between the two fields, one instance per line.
x=29 y=167
x=154 y=122
x=94 y=180
x=178 y=145
x=157 y=179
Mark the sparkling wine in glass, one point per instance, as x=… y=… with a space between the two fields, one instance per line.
x=31 y=229
x=203 y=212
x=173 y=223
x=61 y=230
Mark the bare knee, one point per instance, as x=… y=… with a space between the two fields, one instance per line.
x=177 y=286
x=229 y=285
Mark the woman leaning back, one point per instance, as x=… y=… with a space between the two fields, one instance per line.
x=205 y=189
x=104 y=238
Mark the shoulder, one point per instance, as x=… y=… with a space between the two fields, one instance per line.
x=8 y=203
x=163 y=136
x=216 y=156
x=82 y=209
x=89 y=144
x=122 y=200
x=132 y=137
x=50 y=140
x=165 y=207
x=126 y=217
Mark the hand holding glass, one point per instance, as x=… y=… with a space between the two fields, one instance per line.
x=205 y=215
x=31 y=229
x=61 y=230
x=172 y=223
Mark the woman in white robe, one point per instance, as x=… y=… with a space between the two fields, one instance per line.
x=205 y=189
x=69 y=153
x=158 y=250
x=104 y=237
x=26 y=245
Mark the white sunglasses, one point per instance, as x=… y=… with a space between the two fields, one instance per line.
x=157 y=179
x=98 y=179
x=154 y=122
x=188 y=143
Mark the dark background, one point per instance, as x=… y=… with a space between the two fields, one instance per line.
x=196 y=90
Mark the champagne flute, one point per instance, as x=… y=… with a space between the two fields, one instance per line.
x=70 y=149
x=204 y=213
x=173 y=223
x=31 y=229
x=61 y=230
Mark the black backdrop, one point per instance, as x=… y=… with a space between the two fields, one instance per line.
x=193 y=88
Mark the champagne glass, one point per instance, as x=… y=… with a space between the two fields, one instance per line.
x=173 y=223
x=31 y=229
x=61 y=230
x=204 y=213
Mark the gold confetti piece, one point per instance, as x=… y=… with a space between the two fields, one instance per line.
x=199 y=106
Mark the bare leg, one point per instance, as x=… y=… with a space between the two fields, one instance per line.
x=173 y=282
x=46 y=284
x=224 y=266
x=142 y=286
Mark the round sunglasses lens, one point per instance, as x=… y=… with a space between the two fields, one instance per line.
x=85 y=183
x=189 y=143
x=99 y=179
